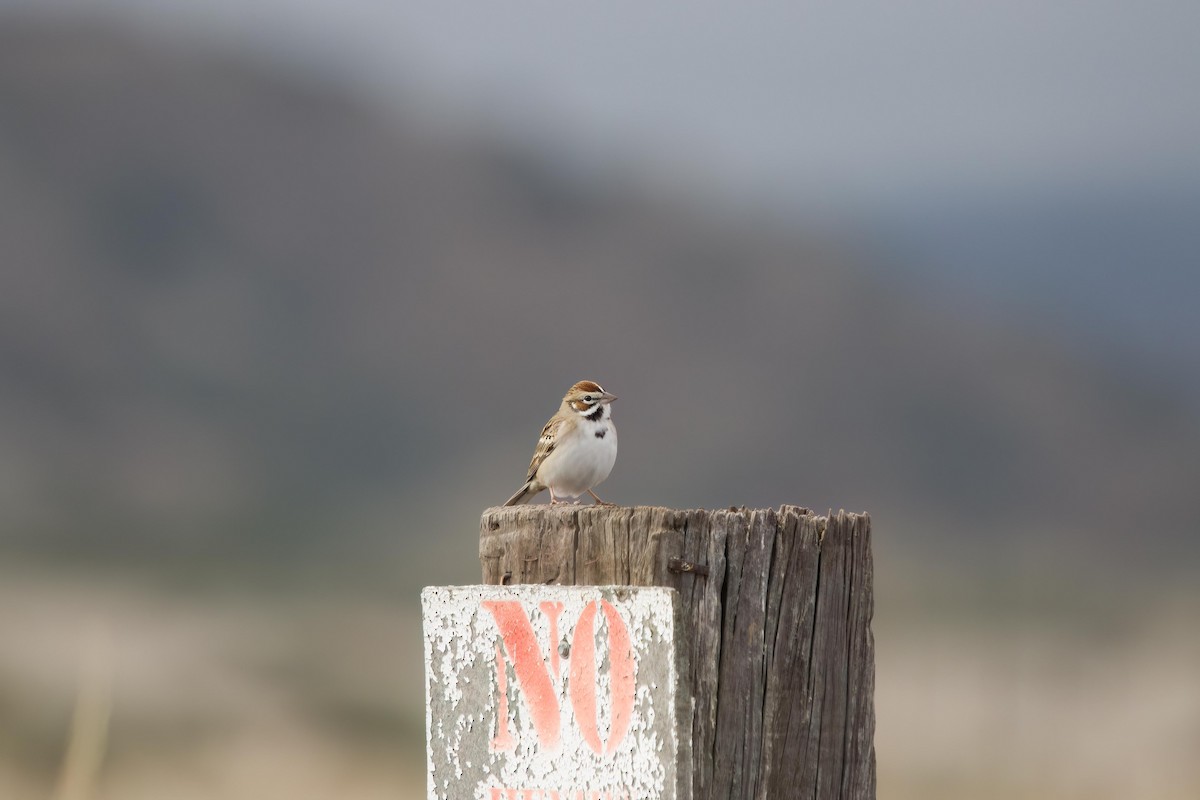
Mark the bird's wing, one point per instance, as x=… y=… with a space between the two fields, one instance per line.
x=549 y=439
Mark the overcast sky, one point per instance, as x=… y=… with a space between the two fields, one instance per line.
x=849 y=96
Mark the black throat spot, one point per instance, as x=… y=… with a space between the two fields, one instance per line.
x=600 y=434
x=595 y=415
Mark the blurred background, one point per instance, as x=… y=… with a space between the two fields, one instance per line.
x=289 y=288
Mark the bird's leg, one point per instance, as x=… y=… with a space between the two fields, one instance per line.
x=599 y=502
x=554 y=501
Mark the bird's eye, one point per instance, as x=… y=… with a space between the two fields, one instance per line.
x=587 y=398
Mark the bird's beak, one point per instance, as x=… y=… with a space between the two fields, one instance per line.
x=607 y=397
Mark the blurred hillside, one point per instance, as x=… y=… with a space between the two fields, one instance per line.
x=241 y=306
x=1110 y=260
x=268 y=347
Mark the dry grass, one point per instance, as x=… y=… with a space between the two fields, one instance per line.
x=287 y=694
x=88 y=737
x=1038 y=715
x=212 y=697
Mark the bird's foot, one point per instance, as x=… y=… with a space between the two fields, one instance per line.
x=597 y=501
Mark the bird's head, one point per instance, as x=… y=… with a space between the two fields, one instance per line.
x=586 y=396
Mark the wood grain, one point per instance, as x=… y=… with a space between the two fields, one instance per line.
x=780 y=649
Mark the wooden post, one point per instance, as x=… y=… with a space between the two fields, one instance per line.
x=777 y=612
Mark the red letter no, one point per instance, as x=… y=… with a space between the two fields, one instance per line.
x=535 y=684
x=583 y=676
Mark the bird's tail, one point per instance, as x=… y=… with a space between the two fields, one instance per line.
x=524 y=494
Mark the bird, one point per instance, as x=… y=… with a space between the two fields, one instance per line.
x=577 y=448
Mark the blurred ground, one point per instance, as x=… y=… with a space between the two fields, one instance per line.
x=1053 y=692
x=1036 y=687
x=247 y=693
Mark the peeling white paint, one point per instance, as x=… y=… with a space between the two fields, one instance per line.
x=463 y=702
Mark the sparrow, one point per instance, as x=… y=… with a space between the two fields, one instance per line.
x=576 y=450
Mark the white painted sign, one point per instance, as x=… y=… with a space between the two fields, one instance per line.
x=554 y=693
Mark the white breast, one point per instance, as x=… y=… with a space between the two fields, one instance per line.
x=583 y=461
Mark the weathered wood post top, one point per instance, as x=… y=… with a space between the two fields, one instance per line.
x=776 y=608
